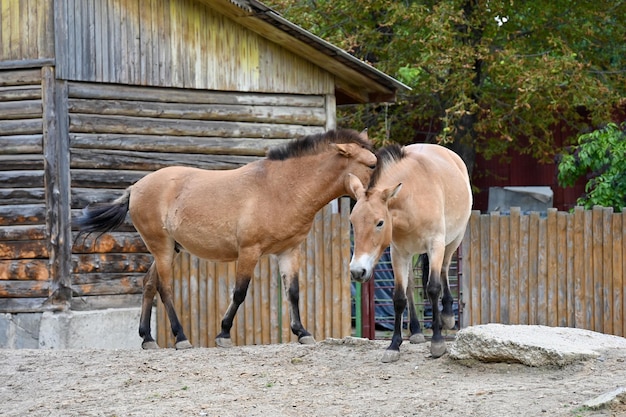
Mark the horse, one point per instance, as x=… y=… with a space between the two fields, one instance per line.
x=418 y=201
x=265 y=207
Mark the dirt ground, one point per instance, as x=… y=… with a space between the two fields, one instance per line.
x=331 y=378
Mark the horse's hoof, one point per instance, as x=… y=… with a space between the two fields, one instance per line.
x=307 y=340
x=183 y=344
x=149 y=345
x=417 y=338
x=224 y=342
x=390 y=356
x=448 y=322
x=437 y=349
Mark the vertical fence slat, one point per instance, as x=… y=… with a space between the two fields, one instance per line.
x=335 y=277
x=514 y=254
x=552 y=268
x=494 y=267
x=607 y=270
x=562 y=275
x=598 y=309
x=474 y=261
x=346 y=314
x=618 y=271
x=579 y=268
x=533 y=267
x=327 y=272
x=485 y=297
x=503 y=277
x=524 y=274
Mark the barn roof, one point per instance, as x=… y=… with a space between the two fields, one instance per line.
x=356 y=81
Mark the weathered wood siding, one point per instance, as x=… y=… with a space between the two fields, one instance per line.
x=202 y=291
x=175 y=43
x=25 y=31
x=118 y=134
x=563 y=269
x=24 y=269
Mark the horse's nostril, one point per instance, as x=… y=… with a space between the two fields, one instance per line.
x=358 y=274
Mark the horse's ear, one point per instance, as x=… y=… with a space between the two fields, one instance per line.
x=343 y=149
x=355 y=187
x=390 y=193
x=364 y=135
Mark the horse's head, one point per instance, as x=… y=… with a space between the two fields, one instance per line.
x=354 y=150
x=372 y=225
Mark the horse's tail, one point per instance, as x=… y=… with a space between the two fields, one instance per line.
x=103 y=217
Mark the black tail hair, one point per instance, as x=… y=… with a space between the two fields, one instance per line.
x=425 y=270
x=103 y=217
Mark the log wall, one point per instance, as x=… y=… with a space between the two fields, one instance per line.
x=24 y=254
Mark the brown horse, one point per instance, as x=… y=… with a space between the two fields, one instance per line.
x=418 y=200
x=265 y=207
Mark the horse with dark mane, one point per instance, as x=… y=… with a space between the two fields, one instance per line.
x=418 y=201
x=265 y=207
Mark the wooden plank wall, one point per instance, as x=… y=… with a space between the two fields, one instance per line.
x=25 y=31
x=118 y=134
x=24 y=269
x=203 y=291
x=561 y=269
x=175 y=43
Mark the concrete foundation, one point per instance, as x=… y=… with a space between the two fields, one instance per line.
x=98 y=329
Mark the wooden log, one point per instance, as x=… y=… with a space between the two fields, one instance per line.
x=81 y=197
x=111 y=263
x=21 y=144
x=20 y=77
x=18 y=289
x=20 y=232
x=102 y=178
x=85 y=123
x=19 y=196
x=21 y=127
x=23 y=305
x=21 y=162
x=99 y=302
x=151 y=161
x=314 y=116
x=20 y=92
x=177 y=144
x=169 y=95
x=24 y=269
x=18 y=110
x=124 y=285
x=21 y=179
x=23 y=249
x=23 y=214
x=119 y=242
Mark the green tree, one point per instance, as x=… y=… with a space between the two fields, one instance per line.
x=487 y=75
x=600 y=156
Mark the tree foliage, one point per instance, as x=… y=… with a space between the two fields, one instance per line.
x=488 y=75
x=600 y=156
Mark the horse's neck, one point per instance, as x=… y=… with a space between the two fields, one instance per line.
x=308 y=183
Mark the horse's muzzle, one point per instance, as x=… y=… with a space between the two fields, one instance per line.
x=360 y=274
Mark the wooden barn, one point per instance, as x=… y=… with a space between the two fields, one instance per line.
x=94 y=94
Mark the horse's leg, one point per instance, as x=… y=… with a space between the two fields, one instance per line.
x=163 y=261
x=401 y=264
x=414 y=325
x=288 y=264
x=433 y=289
x=150 y=282
x=447 y=316
x=245 y=267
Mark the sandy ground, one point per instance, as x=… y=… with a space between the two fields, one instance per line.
x=332 y=378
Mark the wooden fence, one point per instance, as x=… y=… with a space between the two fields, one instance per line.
x=202 y=291
x=559 y=269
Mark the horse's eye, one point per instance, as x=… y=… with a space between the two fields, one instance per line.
x=380 y=224
x=372 y=166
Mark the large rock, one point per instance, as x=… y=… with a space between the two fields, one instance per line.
x=532 y=345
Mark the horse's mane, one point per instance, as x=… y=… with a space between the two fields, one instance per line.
x=313 y=144
x=386 y=156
